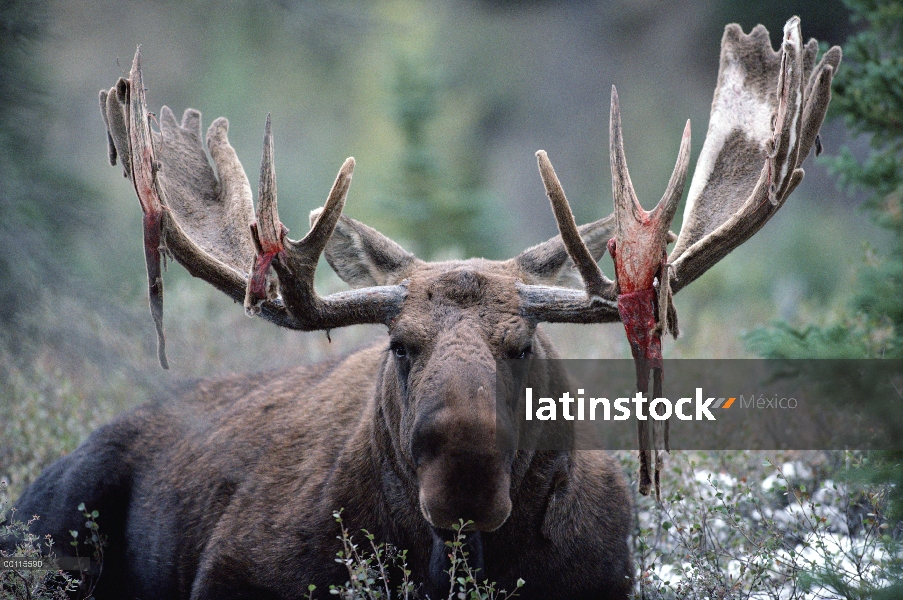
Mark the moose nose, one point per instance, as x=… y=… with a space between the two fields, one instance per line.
x=463 y=470
x=465 y=487
x=461 y=451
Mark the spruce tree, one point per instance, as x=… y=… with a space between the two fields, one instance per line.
x=441 y=214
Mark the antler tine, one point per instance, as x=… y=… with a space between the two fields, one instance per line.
x=325 y=224
x=272 y=232
x=788 y=122
x=818 y=96
x=594 y=281
x=302 y=256
x=142 y=171
x=625 y=200
x=666 y=208
x=112 y=109
x=267 y=232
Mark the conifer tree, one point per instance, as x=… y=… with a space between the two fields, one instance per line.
x=443 y=216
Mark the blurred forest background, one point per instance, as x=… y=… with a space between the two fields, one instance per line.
x=442 y=104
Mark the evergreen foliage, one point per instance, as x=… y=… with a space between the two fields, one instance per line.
x=441 y=217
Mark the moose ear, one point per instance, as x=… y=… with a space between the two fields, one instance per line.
x=548 y=263
x=362 y=256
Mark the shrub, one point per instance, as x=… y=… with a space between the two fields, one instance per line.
x=44 y=584
x=369 y=569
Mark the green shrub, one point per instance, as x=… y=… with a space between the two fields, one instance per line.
x=44 y=584
x=369 y=569
x=748 y=525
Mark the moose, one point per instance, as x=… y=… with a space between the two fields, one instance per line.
x=228 y=489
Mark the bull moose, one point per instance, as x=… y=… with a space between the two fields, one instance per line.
x=228 y=489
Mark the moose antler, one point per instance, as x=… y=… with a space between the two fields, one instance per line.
x=766 y=113
x=640 y=254
x=639 y=251
x=207 y=223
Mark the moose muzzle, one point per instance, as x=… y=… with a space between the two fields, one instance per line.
x=462 y=455
x=465 y=486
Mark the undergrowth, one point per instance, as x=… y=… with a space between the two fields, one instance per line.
x=369 y=568
x=756 y=525
x=35 y=574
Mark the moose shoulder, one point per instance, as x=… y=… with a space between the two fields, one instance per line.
x=228 y=489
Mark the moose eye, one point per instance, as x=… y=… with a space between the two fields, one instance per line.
x=521 y=354
x=398 y=350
